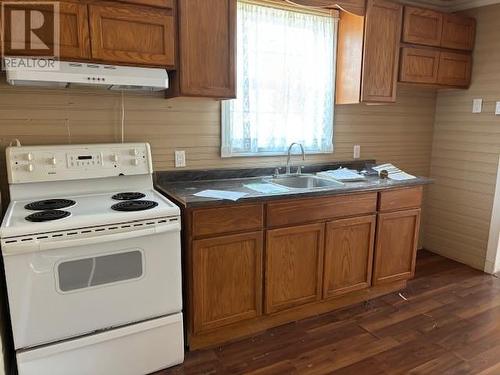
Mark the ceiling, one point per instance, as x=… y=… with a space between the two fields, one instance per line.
x=452 y=5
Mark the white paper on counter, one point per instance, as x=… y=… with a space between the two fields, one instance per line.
x=221 y=194
x=394 y=172
x=266 y=188
x=343 y=174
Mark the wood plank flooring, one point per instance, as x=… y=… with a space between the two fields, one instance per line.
x=446 y=322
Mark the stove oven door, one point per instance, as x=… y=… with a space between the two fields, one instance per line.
x=89 y=280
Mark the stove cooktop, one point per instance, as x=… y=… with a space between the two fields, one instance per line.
x=85 y=211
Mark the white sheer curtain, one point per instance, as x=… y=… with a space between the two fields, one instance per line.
x=286 y=73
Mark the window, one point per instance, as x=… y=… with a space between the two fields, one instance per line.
x=286 y=75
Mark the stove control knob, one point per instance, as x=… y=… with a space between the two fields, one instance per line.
x=30 y=167
x=29 y=156
x=114 y=158
x=53 y=160
x=135 y=162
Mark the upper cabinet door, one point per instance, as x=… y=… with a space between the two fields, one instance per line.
x=132 y=34
x=381 y=51
x=419 y=65
x=422 y=26
x=458 y=32
x=455 y=69
x=207 y=38
x=73 y=33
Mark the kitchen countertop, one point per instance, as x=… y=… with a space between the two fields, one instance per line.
x=182 y=191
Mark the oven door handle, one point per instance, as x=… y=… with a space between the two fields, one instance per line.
x=33 y=246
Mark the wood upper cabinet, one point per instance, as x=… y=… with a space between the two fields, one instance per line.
x=227 y=280
x=73 y=33
x=381 y=51
x=396 y=246
x=132 y=34
x=455 y=69
x=458 y=32
x=207 y=39
x=419 y=65
x=348 y=255
x=368 y=54
x=349 y=58
x=422 y=26
x=294 y=266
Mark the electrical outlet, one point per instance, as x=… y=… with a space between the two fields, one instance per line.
x=180 y=159
x=357 y=152
x=477 y=105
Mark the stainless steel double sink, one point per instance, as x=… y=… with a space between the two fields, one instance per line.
x=304 y=181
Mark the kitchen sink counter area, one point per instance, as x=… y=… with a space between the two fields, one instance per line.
x=182 y=189
x=313 y=246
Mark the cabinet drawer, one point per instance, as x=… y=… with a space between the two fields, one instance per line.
x=315 y=209
x=401 y=199
x=227 y=219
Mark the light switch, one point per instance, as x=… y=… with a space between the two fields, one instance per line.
x=477 y=105
x=180 y=159
x=357 y=152
x=497 y=109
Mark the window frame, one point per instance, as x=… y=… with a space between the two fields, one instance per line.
x=225 y=149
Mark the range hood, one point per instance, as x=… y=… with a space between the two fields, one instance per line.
x=68 y=74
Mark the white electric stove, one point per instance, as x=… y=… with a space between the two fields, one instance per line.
x=92 y=261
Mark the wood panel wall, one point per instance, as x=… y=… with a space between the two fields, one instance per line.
x=465 y=155
x=400 y=133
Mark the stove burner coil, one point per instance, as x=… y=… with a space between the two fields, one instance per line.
x=135 y=205
x=50 y=215
x=128 y=196
x=50 y=204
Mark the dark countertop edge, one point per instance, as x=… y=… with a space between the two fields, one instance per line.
x=420 y=181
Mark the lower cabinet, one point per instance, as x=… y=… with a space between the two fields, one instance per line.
x=348 y=255
x=396 y=247
x=253 y=266
x=294 y=266
x=227 y=280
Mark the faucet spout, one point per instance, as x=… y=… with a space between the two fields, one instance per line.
x=289 y=156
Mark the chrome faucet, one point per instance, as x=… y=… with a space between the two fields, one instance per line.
x=289 y=157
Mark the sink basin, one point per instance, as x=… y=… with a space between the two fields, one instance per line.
x=304 y=182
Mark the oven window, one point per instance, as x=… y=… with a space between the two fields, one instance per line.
x=107 y=269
